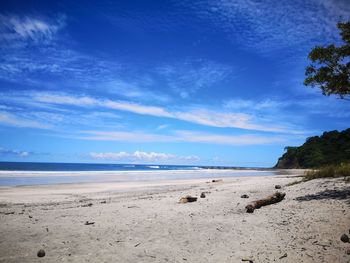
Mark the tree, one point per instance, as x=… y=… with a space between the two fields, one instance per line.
x=330 y=68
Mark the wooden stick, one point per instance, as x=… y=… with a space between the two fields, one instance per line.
x=272 y=199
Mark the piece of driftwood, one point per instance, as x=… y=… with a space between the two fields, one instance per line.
x=272 y=199
x=188 y=199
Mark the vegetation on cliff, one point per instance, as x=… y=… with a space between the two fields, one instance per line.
x=332 y=148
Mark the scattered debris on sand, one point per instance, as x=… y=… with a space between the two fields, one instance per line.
x=272 y=199
x=283 y=256
x=187 y=199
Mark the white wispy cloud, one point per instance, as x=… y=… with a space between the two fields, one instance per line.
x=139 y=89
x=181 y=136
x=198 y=115
x=265 y=104
x=136 y=108
x=64 y=99
x=59 y=121
x=124 y=136
x=14 y=29
x=313 y=105
x=187 y=77
x=163 y=126
x=142 y=156
x=9 y=152
x=249 y=139
x=267 y=26
x=9 y=119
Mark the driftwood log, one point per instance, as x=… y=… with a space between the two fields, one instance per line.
x=272 y=199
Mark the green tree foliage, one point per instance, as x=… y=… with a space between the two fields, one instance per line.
x=330 y=68
x=331 y=148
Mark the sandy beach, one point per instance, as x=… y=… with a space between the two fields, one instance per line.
x=144 y=221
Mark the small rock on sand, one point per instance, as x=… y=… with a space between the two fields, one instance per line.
x=244 y=196
x=344 y=238
x=41 y=253
x=202 y=195
x=216 y=180
x=278 y=186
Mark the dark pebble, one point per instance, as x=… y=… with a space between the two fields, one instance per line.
x=244 y=196
x=41 y=253
x=344 y=238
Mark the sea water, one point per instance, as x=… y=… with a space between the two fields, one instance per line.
x=27 y=173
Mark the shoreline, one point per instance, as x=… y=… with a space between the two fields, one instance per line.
x=27 y=178
x=26 y=193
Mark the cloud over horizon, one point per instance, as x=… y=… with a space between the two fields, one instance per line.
x=141 y=156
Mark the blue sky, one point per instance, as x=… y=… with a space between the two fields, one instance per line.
x=174 y=82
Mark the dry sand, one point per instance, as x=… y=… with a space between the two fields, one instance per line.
x=143 y=222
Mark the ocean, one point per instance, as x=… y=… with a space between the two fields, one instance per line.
x=29 y=173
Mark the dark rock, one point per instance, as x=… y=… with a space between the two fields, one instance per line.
x=103 y=202
x=202 y=195
x=216 y=180
x=188 y=199
x=41 y=253
x=277 y=186
x=244 y=196
x=347 y=251
x=344 y=238
x=87 y=205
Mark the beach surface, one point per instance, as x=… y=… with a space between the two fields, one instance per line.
x=144 y=221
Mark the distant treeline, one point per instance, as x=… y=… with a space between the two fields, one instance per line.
x=331 y=148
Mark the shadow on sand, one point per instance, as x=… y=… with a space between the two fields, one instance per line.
x=339 y=194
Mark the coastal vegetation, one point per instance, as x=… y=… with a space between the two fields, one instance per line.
x=341 y=170
x=330 y=149
x=325 y=156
